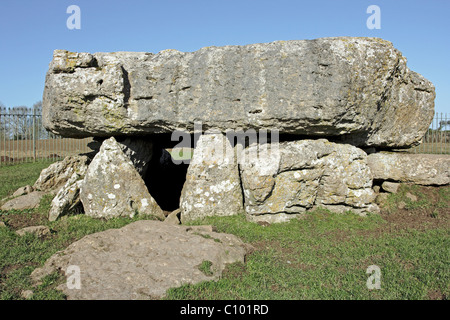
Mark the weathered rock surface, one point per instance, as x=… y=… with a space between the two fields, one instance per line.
x=27 y=201
x=381 y=198
x=39 y=231
x=356 y=88
x=411 y=197
x=142 y=260
x=57 y=174
x=23 y=190
x=212 y=186
x=27 y=294
x=63 y=178
x=391 y=187
x=173 y=217
x=112 y=187
x=303 y=175
x=423 y=169
x=67 y=199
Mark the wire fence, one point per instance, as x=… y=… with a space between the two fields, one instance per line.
x=24 y=139
x=437 y=138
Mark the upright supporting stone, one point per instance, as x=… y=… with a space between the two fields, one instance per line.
x=57 y=174
x=305 y=175
x=212 y=186
x=67 y=198
x=112 y=186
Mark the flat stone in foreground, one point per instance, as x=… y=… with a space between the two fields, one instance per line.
x=27 y=201
x=142 y=260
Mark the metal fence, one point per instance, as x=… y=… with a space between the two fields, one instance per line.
x=437 y=138
x=24 y=139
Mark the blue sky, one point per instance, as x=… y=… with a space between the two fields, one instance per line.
x=30 y=30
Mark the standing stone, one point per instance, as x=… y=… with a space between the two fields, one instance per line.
x=212 y=186
x=138 y=149
x=58 y=173
x=113 y=188
x=303 y=175
x=68 y=195
x=67 y=199
x=422 y=169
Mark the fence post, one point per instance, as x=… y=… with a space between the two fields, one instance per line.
x=34 y=134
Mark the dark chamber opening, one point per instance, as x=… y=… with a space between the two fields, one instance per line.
x=165 y=179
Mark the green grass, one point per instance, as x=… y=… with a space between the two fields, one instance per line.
x=19 y=256
x=322 y=256
x=326 y=257
x=181 y=154
x=12 y=177
x=205 y=267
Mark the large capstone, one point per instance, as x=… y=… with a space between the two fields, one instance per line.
x=358 y=90
x=281 y=181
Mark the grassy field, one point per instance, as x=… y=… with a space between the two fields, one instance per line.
x=15 y=151
x=16 y=176
x=321 y=256
x=432 y=148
